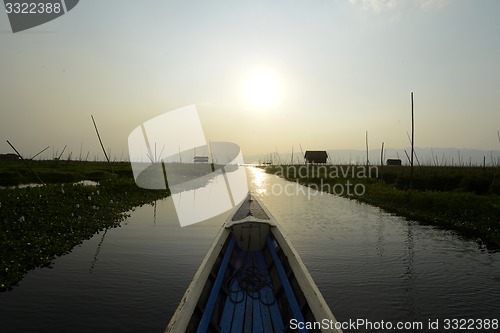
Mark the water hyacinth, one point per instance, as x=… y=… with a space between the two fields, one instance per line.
x=53 y=220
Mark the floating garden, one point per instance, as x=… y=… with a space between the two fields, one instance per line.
x=465 y=199
x=38 y=223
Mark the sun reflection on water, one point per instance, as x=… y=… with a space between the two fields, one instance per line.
x=258 y=181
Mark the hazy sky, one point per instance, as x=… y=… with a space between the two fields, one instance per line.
x=263 y=74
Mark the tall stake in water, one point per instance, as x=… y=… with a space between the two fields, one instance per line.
x=382 y=160
x=102 y=146
x=366 y=141
x=278 y=155
x=31 y=159
x=26 y=163
x=412 y=143
x=59 y=157
x=382 y=155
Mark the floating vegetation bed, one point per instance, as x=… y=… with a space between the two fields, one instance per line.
x=464 y=199
x=39 y=223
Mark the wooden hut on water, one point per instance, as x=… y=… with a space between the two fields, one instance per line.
x=9 y=157
x=394 y=161
x=200 y=159
x=315 y=156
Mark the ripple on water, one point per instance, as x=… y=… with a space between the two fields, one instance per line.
x=367 y=263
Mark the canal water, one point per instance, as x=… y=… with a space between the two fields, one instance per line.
x=369 y=265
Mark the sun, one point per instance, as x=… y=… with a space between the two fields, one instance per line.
x=262 y=88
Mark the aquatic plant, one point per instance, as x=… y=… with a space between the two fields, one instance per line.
x=464 y=199
x=39 y=223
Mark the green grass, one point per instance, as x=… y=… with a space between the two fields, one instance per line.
x=15 y=172
x=39 y=223
x=464 y=199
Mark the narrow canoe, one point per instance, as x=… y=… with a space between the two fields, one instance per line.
x=252 y=280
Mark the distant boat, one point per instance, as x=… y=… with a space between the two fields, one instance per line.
x=251 y=280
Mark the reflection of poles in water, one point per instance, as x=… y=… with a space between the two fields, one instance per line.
x=211 y=156
x=154 y=214
x=223 y=174
x=97 y=251
x=409 y=275
x=380 y=235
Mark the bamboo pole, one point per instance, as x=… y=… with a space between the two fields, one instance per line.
x=31 y=159
x=382 y=160
x=41 y=151
x=382 y=155
x=302 y=152
x=26 y=163
x=412 y=142
x=59 y=157
x=416 y=156
x=278 y=155
x=366 y=142
x=102 y=146
x=498 y=134
x=407 y=156
x=433 y=158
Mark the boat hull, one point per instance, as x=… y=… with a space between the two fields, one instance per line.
x=251 y=280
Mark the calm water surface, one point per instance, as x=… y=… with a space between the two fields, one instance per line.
x=368 y=264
